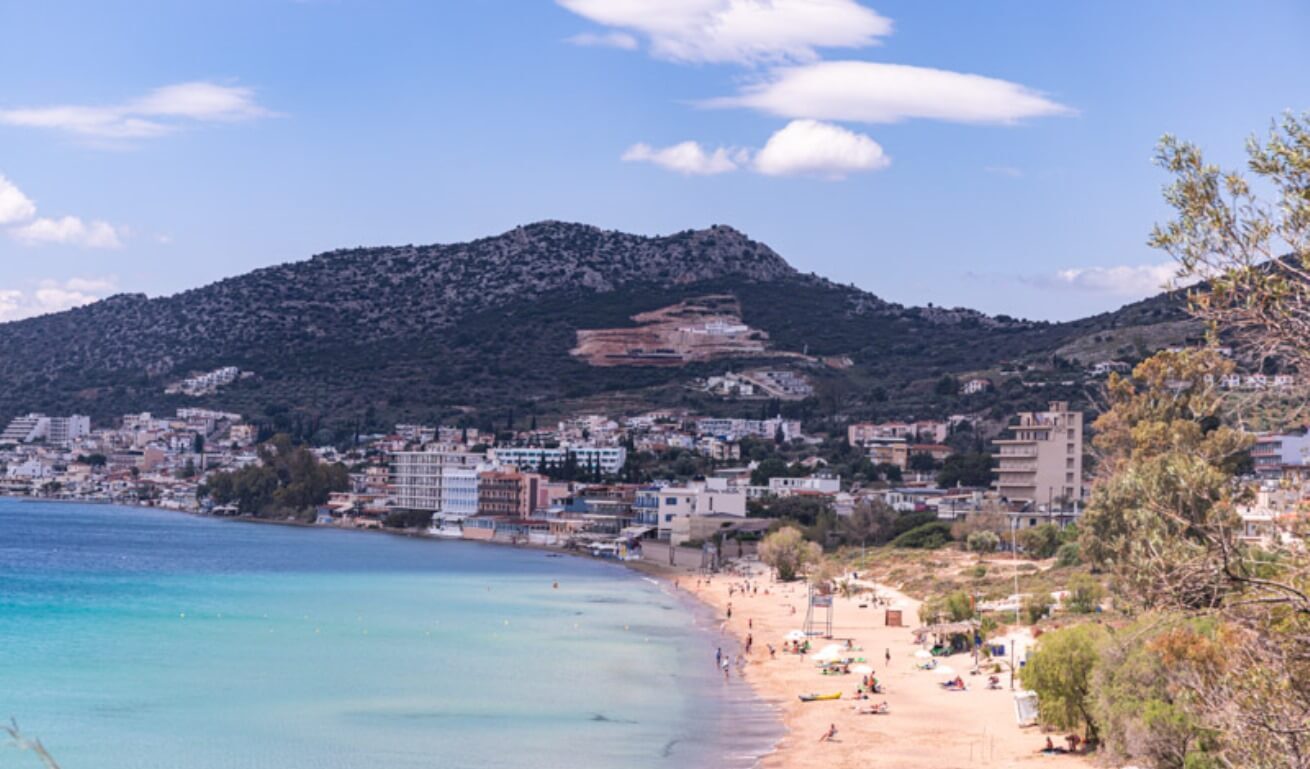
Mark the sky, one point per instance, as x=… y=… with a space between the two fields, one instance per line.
x=994 y=155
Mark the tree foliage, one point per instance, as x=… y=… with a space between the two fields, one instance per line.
x=286 y=479
x=1061 y=671
x=787 y=551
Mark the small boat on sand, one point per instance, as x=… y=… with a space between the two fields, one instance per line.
x=817 y=697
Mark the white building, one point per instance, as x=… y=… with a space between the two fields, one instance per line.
x=57 y=431
x=814 y=484
x=610 y=458
x=417 y=479
x=1042 y=462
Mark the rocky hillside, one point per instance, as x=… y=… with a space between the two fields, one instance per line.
x=363 y=335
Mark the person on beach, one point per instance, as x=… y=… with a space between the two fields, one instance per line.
x=773 y=653
x=750 y=623
x=828 y=735
x=888 y=657
x=749 y=640
x=726 y=668
x=729 y=611
x=718 y=656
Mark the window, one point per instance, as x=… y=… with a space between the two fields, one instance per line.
x=1068 y=463
x=670 y=500
x=1068 y=478
x=1071 y=433
x=1070 y=448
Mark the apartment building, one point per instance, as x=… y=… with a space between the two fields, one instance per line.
x=1042 y=460
x=509 y=493
x=57 y=431
x=1271 y=452
x=417 y=477
x=609 y=458
x=658 y=507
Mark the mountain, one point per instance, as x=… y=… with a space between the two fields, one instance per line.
x=541 y=319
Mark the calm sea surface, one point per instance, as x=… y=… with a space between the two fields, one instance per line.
x=136 y=639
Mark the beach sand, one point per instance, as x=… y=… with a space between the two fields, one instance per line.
x=927 y=727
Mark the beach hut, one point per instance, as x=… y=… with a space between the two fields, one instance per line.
x=892 y=618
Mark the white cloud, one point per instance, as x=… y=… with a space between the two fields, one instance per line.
x=741 y=31
x=1124 y=280
x=19 y=212
x=52 y=296
x=605 y=40
x=159 y=112
x=14 y=205
x=808 y=147
x=68 y=230
x=802 y=148
x=687 y=158
x=1010 y=171
x=872 y=92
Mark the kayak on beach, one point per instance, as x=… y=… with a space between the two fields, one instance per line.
x=816 y=697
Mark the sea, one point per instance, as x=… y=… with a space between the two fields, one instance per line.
x=134 y=638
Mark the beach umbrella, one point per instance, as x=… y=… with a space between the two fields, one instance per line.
x=861 y=670
x=831 y=652
x=795 y=635
x=923 y=654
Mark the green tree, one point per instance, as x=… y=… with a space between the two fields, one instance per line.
x=929 y=536
x=788 y=553
x=983 y=542
x=773 y=467
x=1143 y=712
x=1085 y=594
x=922 y=462
x=870 y=522
x=1040 y=541
x=1061 y=671
x=971 y=469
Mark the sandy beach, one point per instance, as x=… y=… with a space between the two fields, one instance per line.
x=927 y=727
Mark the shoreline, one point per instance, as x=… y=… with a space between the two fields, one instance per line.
x=927 y=727
x=702 y=615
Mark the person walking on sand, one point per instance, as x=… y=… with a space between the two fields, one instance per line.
x=888 y=657
x=828 y=735
x=718 y=656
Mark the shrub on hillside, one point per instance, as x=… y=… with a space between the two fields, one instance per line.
x=929 y=536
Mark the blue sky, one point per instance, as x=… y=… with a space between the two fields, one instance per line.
x=155 y=147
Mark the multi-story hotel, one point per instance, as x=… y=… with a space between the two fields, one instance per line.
x=418 y=479
x=1042 y=461
x=610 y=459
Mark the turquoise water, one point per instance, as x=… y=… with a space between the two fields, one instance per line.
x=149 y=640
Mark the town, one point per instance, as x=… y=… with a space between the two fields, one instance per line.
x=666 y=486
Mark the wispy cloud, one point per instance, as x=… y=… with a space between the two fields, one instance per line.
x=620 y=40
x=688 y=158
x=873 y=92
x=53 y=296
x=18 y=216
x=1010 y=171
x=1135 y=281
x=158 y=113
x=802 y=148
x=738 y=31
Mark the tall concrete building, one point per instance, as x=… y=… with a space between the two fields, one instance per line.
x=1042 y=460
x=419 y=478
x=57 y=431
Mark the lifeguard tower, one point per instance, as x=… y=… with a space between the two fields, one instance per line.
x=818 y=611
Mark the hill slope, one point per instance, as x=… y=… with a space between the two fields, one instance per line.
x=363 y=336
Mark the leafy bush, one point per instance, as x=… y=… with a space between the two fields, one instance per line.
x=1068 y=555
x=1085 y=594
x=929 y=536
x=1037 y=606
x=1061 y=671
x=1040 y=541
x=983 y=542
